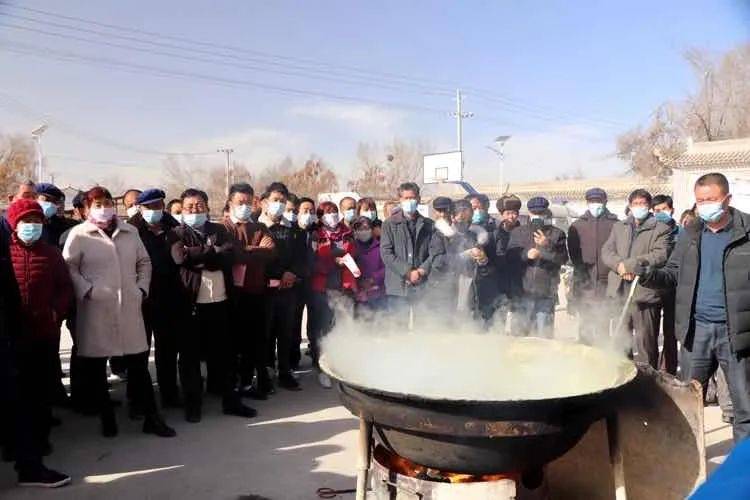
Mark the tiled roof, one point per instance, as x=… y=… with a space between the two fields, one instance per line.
x=727 y=153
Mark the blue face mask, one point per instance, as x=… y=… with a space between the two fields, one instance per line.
x=639 y=213
x=29 y=232
x=596 y=209
x=194 y=220
x=276 y=209
x=152 y=216
x=663 y=217
x=479 y=217
x=349 y=215
x=711 y=212
x=242 y=212
x=177 y=217
x=409 y=207
x=48 y=208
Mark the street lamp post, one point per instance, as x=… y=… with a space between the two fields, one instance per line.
x=228 y=170
x=499 y=149
x=36 y=134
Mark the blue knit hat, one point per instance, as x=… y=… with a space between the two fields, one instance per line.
x=596 y=194
x=537 y=204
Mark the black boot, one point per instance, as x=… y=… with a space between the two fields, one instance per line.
x=154 y=424
x=288 y=382
x=233 y=406
x=193 y=413
x=109 y=424
x=42 y=477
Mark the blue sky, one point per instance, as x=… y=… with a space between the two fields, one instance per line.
x=563 y=78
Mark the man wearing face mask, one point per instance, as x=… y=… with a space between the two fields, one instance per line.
x=165 y=314
x=487 y=289
x=307 y=222
x=664 y=212
x=539 y=250
x=46 y=292
x=586 y=237
x=709 y=271
x=129 y=200
x=253 y=249
x=405 y=250
x=639 y=238
x=508 y=276
x=52 y=199
x=283 y=273
x=348 y=210
x=205 y=252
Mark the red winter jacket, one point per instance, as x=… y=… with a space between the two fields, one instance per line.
x=45 y=286
x=328 y=245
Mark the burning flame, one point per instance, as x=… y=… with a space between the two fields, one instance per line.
x=401 y=465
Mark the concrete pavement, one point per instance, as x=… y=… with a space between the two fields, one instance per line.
x=299 y=442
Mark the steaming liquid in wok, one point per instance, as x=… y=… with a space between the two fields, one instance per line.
x=472 y=366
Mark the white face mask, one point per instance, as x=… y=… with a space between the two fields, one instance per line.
x=132 y=211
x=349 y=215
x=306 y=220
x=290 y=216
x=369 y=214
x=331 y=220
x=275 y=209
x=242 y=212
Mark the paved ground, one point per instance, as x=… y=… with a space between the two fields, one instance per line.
x=299 y=442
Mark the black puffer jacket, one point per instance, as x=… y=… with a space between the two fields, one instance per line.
x=541 y=276
x=165 y=274
x=682 y=271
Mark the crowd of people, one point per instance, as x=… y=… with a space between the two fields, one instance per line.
x=231 y=290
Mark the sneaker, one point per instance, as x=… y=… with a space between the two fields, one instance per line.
x=154 y=424
x=324 y=381
x=42 y=477
x=288 y=382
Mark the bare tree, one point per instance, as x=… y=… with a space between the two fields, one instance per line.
x=719 y=109
x=313 y=178
x=17 y=158
x=381 y=169
x=645 y=149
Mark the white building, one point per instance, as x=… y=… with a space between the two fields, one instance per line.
x=730 y=157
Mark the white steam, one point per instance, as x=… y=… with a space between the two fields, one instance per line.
x=447 y=359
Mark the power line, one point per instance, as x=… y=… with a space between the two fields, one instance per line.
x=49 y=53
x=16 y=106
x=381 y=79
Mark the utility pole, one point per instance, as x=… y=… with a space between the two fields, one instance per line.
x=36 y=134
x=228 y=171
x=499 y=150
x=460 y=115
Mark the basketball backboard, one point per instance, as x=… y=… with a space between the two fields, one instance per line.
x=443 y=167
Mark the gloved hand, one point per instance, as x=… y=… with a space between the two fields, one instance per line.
x=642 y=268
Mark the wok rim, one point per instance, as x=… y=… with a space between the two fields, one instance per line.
x=403 y=396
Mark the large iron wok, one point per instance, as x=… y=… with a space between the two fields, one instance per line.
x=477 y=437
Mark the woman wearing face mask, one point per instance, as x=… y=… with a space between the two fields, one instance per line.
x=371 y=292
x=307 y=221
x=111 y=274
x=46 y=294
x=330 y=279
x=367 y=208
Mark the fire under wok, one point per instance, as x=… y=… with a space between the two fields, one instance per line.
x=477 y=436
